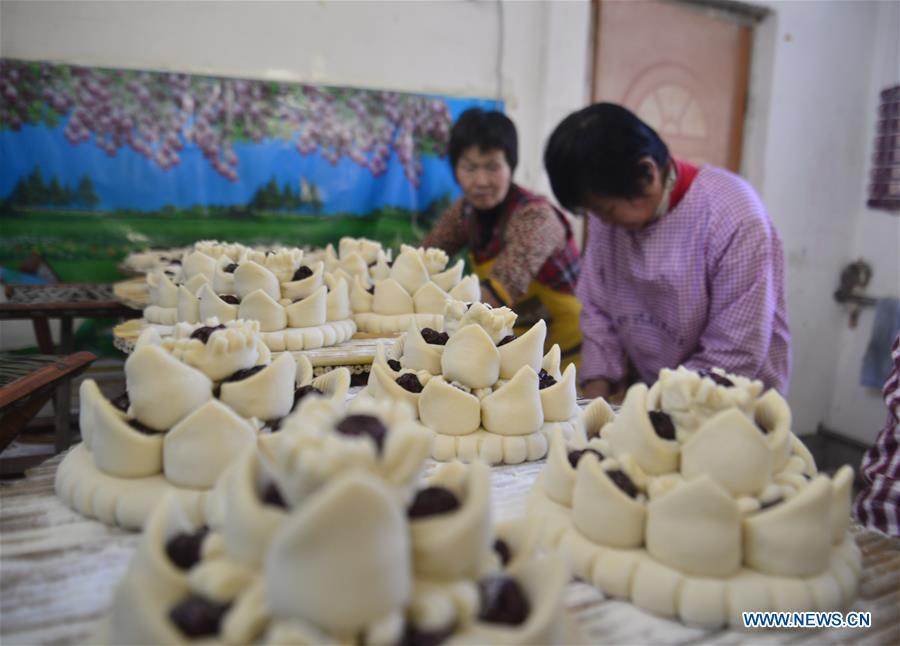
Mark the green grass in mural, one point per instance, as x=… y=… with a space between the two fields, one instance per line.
x=87 y=247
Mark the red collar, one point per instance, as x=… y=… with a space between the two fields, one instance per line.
x=686 y=174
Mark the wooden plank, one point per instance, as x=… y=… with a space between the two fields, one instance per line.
x=62 y=368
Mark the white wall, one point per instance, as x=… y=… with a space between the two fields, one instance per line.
x=857 y=411
x=810 y=130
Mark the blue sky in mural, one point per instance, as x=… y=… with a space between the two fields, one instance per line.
x=129 y=180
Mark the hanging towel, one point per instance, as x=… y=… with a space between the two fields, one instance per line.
x=876 y=365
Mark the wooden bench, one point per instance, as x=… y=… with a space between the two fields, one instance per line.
x=27 y=382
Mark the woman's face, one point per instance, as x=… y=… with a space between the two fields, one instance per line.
x=631 y=214
x=484 y=177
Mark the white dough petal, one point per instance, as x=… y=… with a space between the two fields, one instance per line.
x=214 y=432
x=732 y=451
x=297 y=289
x=526 y=350
x=259 y=306
x=250 y=277
x=448 y=410
x=471 y=358
x=391 y=298
x=409 y=271
x=450 y=278
x=310 y=311
x=268 y=394
x=153 y=376
x=558 y=400
x=514 y=409
x=352 y=530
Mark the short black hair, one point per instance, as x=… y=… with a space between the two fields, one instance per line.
x=597 y=151
x=486 y=129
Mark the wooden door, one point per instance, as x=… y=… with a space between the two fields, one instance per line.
x=681 y=69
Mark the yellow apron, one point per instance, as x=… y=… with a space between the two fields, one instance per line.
x=563 y=325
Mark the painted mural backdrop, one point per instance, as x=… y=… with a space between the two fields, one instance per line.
x=99 y=162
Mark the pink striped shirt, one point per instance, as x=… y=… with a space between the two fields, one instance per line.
x=878 y=504
x=702 y=286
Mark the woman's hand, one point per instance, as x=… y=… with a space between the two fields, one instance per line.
x=596 y=388
x=488 y=298
x=603 y=388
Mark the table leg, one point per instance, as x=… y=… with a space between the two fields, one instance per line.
x=62 y=403
x=62 y=406
x=66 y=338
x=42 y=333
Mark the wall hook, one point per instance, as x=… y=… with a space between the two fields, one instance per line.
x=855 y=278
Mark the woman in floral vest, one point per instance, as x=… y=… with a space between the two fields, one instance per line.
x=519 y=244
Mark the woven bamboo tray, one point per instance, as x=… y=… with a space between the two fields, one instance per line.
x=358 y=351
x=133 y=292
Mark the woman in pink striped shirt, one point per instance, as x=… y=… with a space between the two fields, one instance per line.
x=682 y=264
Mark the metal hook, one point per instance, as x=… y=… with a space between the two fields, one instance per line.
x=854 y=279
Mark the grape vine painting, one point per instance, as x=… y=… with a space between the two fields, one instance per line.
x=98 y=162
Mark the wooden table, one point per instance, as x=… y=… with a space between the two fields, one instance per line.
x=66 y=302
x=58 y=571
